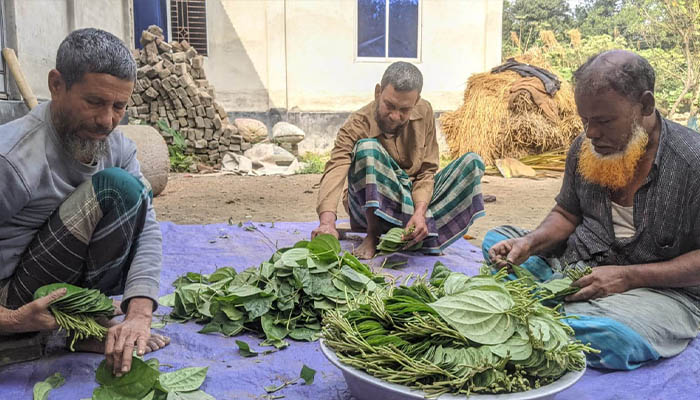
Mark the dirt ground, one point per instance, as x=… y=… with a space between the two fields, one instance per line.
x=206 y=199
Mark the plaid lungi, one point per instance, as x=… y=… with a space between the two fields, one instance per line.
x=376 y=181
x=630 y=328
x=88 y=241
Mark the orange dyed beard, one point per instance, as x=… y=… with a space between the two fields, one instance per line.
x=613 y=171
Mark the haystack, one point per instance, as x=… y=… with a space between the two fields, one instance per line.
x=494 y=124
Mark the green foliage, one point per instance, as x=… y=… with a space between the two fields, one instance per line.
x=42 y=389
x=145 y=382
x=456 y=334
x=393 y=241
x=77 y=310
x=528 y=17
x=665 y=32
x=179 y=162
x=314 y=163
x=283 y=297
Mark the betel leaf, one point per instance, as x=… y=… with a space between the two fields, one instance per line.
x=325 y=247
x=244 y=349
x=273 y=331
x=222 y=273
x=455 y=283
x=295 y=257
x=42 y=389
x=307 y=374
x=183 y=380
x=478 y=314
x=168 y=300
x=195 y=395
x=305 y=333
x=135 y=383
x=439 y=274
x=258 y=306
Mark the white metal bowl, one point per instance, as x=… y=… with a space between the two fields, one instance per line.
x=366 y=387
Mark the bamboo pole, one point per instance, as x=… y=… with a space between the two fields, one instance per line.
x=24 y=89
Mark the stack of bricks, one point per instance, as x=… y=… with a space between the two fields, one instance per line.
x=171 y=86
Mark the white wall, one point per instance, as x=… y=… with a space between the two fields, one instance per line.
x=35 y=29
x=300 y=54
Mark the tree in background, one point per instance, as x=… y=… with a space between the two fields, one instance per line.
x=528 y=17
x=666 y=32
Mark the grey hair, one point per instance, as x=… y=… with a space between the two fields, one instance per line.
x=403 y=76
x=94 y=50
x=630 y=78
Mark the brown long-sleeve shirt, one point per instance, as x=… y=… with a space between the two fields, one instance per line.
x=414 y=148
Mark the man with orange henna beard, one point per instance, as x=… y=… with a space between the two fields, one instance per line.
x=629 y=207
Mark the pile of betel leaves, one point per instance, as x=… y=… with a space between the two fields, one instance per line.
x=393 y=241
x=77 y=310
x=456 y=334
x=282 y=297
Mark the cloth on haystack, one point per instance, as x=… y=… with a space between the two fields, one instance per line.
x=534 y=88
x=506 y=115
x=549 y=80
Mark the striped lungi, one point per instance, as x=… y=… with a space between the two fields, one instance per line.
x=629 y=328
x=376 y=181
x=88 y=241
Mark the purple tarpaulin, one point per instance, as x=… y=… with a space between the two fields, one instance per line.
x=230 y=376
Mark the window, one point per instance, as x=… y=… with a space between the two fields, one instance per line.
x=387 y=28
x=188 y=21
x=147 y=13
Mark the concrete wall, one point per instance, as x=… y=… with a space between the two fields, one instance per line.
x=35 y=29
x=300 y=54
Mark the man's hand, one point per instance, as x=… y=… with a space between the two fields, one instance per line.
x=133 y=332
x=420 y=230
x=510 y=251
x=603 y=281
x=325 y=228
x=326 y=225
x=31 y=317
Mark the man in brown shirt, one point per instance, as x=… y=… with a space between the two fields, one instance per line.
x=388 y=153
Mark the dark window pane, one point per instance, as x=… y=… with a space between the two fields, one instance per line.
x=371 y=28
x=403 y=28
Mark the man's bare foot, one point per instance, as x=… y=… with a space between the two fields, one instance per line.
x=368 y=248
x=155 y=342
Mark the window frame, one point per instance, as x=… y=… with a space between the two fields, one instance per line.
x=386 y=59
x=206 y=20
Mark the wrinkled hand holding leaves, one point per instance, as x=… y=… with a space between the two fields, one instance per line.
x=283 y=297
x=555 y=290
x=77 y=310
x=145 y=382
x=393 y=241
x=456 y=334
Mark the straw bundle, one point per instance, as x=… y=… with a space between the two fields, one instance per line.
x=486 y=125
x=548 y=38
x=575 y=38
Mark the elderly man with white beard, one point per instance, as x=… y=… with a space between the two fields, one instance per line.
x=74 y=206
x=629 y=207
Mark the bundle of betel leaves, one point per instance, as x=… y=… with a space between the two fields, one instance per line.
x=555 y=290
x=77 y=311
x=393 y=241
x=282 y=297
x=456 y=334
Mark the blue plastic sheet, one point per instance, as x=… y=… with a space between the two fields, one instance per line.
x=205 y=248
